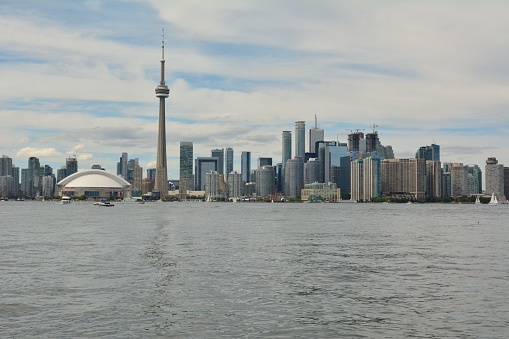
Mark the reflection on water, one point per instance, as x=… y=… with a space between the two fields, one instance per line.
x=231 y=270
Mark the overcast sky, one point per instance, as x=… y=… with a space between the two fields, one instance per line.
x=78 y=77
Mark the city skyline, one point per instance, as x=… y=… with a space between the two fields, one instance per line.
x=79 y=77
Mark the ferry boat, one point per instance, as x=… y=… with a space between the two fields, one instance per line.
x=65 y=200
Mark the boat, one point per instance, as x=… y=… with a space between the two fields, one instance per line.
x=477 y=201
x=493 y=200
x=104 y=203
x=65 y=200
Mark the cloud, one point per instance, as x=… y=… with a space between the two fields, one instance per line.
x=37 y=152
x=85 y=156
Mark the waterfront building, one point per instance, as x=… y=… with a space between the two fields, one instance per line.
x=229 y=161
x=94 y=184
x=494 y=173
x=322 y=191
x=186 y=165
x=294 y=177
x=286 y=155
x=25 y=182
x=265 y=181
x=476 y=173
x=162 y=92
x=300 y=140
x=357 y=179
x=245 y=166
x=405 y=178
x=235 y=185
x=33 y=177
x=506 y=182
x=459 y=180
x=48 y=186
x=433 y=179
x=214 y=185
x=203 y=165
x=312 y=171
x=315 y=134
x=6 y=187
x=16 y=177
x=219 y=154
x=372 y=178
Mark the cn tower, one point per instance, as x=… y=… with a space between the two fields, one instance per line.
x=162 y=92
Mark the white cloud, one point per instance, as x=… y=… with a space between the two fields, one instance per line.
x=37 y=152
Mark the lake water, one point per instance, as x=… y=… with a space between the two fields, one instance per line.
x=253 y=270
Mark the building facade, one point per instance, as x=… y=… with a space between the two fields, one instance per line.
x=186 y=165
x=294 y=177
x=203 y=165
x=265 y=181
x=404 y=178
x=245 y=166
x=495 y=178
x=300 y=139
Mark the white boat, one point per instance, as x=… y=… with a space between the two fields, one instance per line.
x=104 y=203
x=493 y=200
x=65 y=200
x=477 y=201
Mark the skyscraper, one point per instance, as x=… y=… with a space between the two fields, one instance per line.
x=203 y=165
x=121 y=166
x=235 y=187
x=287 y=155
x=186 y=164
x=315 y=134
x=495 y=178
x=245 y=166
x=300 y=139
x=229 y=161
x=265 y=181
x=5 y=165
x=264 y=161
x=162 y=92
x=219 y=154
x=33 y=177
x=428 y=152
x=294 y=177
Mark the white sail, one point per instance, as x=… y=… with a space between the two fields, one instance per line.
x=493 y=200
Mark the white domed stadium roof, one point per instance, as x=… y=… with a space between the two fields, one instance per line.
x=93 y=178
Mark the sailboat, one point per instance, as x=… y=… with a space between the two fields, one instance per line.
x=493 y=200
x=477 y=201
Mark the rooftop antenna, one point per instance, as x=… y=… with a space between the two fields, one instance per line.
x=374 y=128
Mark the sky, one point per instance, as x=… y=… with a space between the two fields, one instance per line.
x=78 y=77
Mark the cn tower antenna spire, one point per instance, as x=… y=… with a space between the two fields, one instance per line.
x=162 y=46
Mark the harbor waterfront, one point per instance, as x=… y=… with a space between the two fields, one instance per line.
x=197 y=269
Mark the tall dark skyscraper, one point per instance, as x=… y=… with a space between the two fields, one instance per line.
x=219 y=154
x=229 y=161
x=186 y=163
x=71 y=166
x=245 y=166
x=162 y=92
